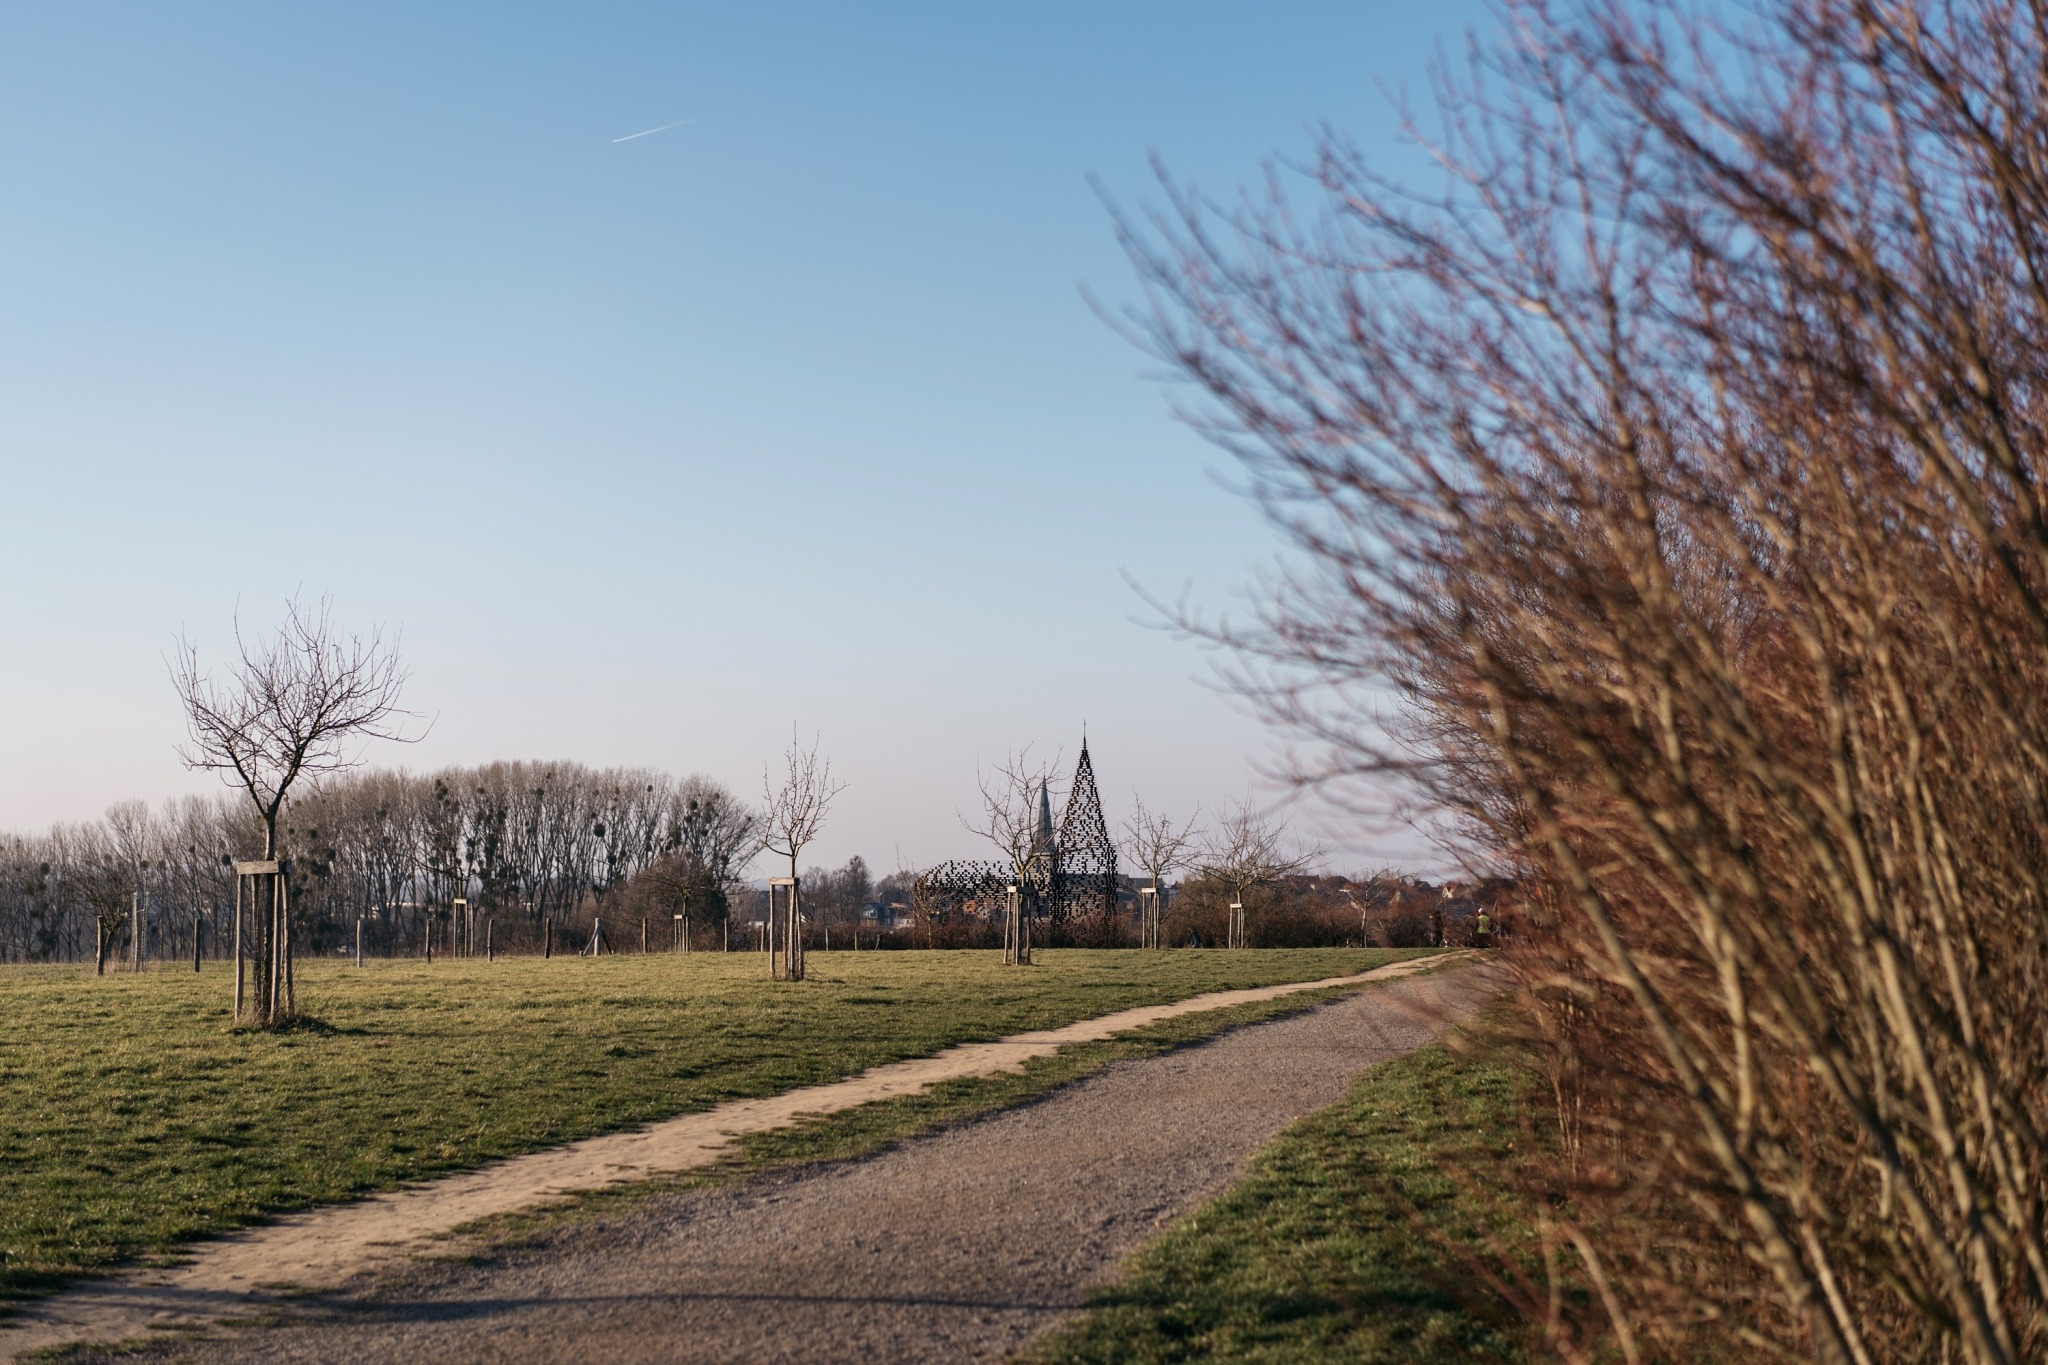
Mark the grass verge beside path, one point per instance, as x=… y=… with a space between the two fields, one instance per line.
x=1316 y=1255
x=132 y=1117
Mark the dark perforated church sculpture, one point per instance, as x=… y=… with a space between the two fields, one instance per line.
x=1077 y=880
x=1084 y=856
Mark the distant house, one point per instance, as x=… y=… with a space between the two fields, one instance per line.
x=885 y=914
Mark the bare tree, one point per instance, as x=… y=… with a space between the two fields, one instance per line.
x=1247 y=850
x=107 y=883
x=1016 y=817
x=1159 y=845
x=793 y=815
x=712 y=837
x=297 y=705
x=135 y=844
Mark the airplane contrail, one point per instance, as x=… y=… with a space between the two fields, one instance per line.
x=662 y=129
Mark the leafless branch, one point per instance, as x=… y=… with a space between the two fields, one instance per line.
x=1156 y=842
x=297 y=705
x=1248 y=849
x=794 y=813
x=1015 y=806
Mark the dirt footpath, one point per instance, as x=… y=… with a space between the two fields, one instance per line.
x=960 y=1246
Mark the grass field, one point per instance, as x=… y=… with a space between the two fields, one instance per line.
x=133 y=1117
x=1329 y=1249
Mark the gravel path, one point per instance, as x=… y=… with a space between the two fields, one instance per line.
x=243 y=1274
x=960 y=1246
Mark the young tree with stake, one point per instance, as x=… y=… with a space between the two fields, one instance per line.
x=1245 y=851
x=1159 y=845
x=792 y=819
x=1016 y=817
x=300 y=703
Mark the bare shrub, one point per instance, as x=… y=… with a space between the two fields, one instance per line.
x=1677 y=472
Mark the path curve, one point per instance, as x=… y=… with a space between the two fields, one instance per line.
x=323 y=1248
x=963 y=1245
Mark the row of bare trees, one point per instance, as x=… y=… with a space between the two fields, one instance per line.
x=74 y=893
x=1246 y=848
x=520 y=841
x=1669 y=484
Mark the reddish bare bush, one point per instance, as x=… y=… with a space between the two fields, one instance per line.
x=1679 y=470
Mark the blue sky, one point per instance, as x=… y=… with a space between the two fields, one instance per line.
x=794 y=413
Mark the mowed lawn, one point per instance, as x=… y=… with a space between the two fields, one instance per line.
x=132 y=1116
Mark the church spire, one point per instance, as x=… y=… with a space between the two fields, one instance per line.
x=1087 y=854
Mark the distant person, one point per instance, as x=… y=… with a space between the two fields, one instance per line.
x=1482 y=933
x=1195 y=939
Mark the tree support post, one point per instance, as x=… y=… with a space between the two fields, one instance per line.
x=269 y=905
x=238 y=948
x=1016 y=928
x=1237 y=935
x=1148 y=916
x=785 y=920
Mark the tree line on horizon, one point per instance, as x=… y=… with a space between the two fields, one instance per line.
x=522 y=840
x=526 y=843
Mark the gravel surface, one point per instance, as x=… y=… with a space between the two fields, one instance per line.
x=960 y=1246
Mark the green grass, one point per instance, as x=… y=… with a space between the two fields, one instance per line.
x=1341 y=1242
x=132 y=1117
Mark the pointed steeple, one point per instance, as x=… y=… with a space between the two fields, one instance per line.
x=1042 y=841
x=1087 y=855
